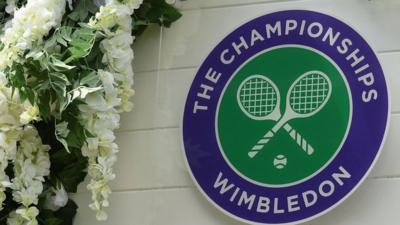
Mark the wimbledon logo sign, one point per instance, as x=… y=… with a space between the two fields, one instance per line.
x=285 y=118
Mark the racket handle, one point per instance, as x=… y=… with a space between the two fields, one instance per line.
x=299 y=139
x=260 y=144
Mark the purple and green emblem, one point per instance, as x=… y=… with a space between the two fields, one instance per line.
x=285 y=118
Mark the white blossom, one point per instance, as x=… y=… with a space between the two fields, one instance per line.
x=28 y=27
x=11 y=7
x=57 y=199
x=23 y=216
x=31 y=165
x=20 y=142
x=31 y=113
x=100 y=115
x=10 y=132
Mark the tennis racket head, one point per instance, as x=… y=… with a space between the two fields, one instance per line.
x=309 y=93
x=259 y=98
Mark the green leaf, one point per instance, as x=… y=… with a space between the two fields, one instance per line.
x=16 y=75
x=79 y=92
x=154 y=12
x=67 y=213
x=61 y=134
x=34 y=54
x=59 y=65
x=61 y=159
x=81 y=44
x=72 y=175
x=44 y=102
x=89 y=78
x=78 y=134
x=61 y=36
x=53 y=221
x=82 y=10
x=58 y=82
x=63 y=216
x=64 y=35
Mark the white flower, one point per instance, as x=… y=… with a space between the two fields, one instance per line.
x=23 y=216
x=31 y=165
x=28 y=27
x=100 y=195
x=5 y=183
x=100 y=114
x=26 y=193
x=15 y=219
x=119 y=55
x=10 y=8
x=107 y=120
x=29 y=214
x=57 y=199
x=133 y=4
x=90 y=148
x=31 y=113
x=105 y=18
x=101 y=215
x=20 y=142
x=117 y=51
x=97 y=101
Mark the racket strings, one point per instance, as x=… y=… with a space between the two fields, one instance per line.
x=309 y=93
x=258 y=97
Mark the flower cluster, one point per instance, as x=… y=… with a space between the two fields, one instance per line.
x=10 y=127
x=29 y=25
x=100 y=114
x=31 y=165
x=100 y=119
x=65 y=77
x=22 y=145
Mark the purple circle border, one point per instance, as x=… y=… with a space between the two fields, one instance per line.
x=359 y=151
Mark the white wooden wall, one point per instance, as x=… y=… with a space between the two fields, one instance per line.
x=153 y=186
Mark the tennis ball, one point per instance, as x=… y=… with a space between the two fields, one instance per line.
x=280 y=161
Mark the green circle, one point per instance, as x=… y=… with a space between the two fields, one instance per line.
x=238 y=131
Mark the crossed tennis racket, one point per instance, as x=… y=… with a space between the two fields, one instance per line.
x=259 y=99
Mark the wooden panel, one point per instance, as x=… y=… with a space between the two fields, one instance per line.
x=203 y=4
x=391 y=66
x=143 y=114
x=150 y=159
x=159 y=99
x=192 y=37
x=376 y=201
x=146 y=49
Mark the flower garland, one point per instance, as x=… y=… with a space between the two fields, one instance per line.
x=65 y=75
x=30 y=159
x=117 y=81
x=31 y=165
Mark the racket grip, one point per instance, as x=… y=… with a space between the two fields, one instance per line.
x=299 y=139
x=260 y=144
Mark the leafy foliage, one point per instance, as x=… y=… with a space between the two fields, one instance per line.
x=154 y=12
x=55 y=77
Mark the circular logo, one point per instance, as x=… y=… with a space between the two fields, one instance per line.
x=285 y=117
